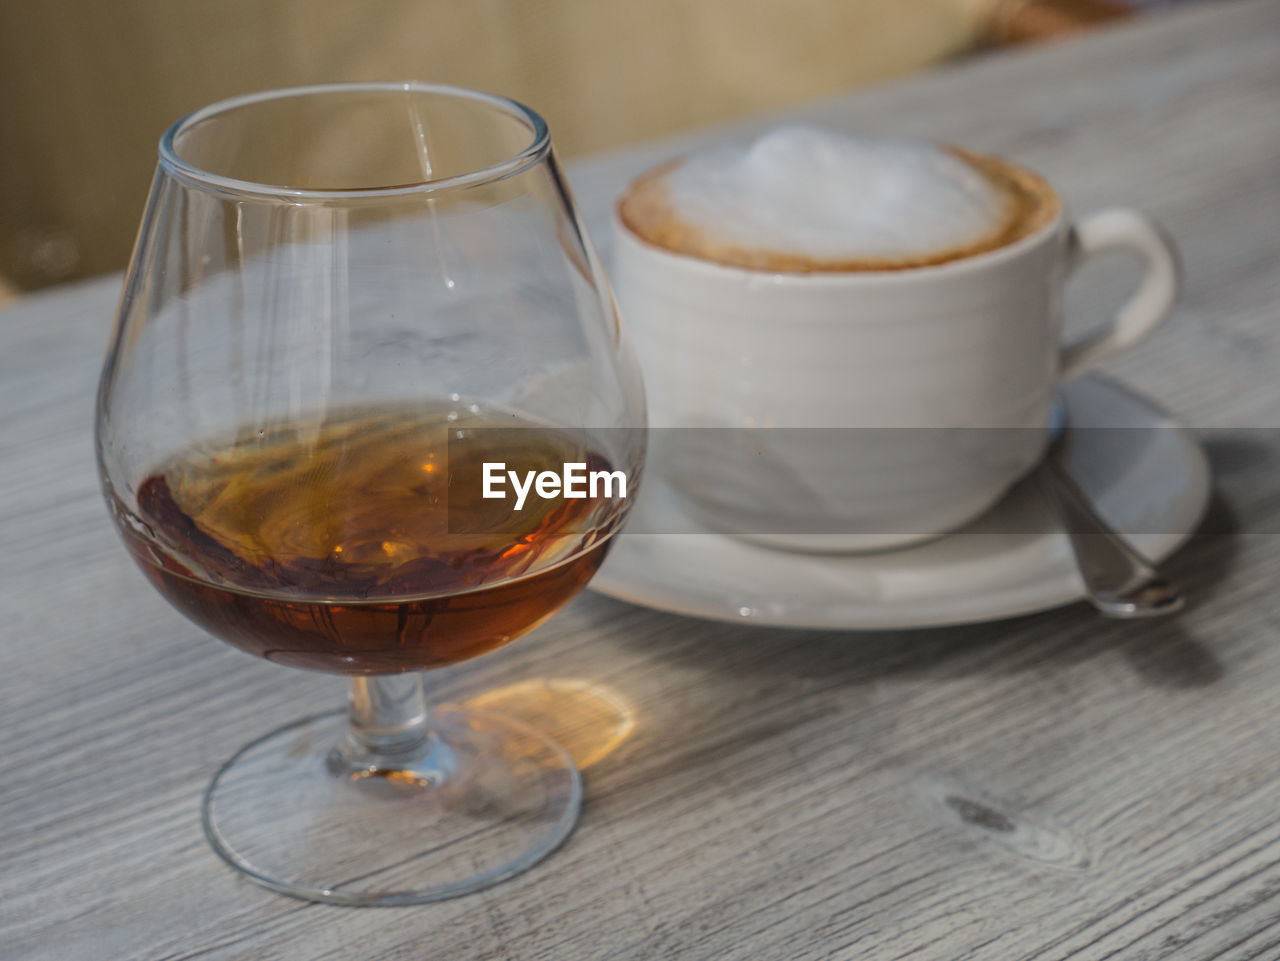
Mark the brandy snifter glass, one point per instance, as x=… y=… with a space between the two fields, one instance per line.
x=344 y=302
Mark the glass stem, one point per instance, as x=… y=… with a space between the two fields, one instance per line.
x=388 y=715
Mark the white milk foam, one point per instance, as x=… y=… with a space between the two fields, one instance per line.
x=817 y=193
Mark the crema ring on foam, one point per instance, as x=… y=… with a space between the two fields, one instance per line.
x=806 y=199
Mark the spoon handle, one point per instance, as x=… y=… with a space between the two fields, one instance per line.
x=1119 y=581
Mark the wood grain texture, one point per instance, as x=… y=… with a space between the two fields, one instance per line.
x=1045 y=788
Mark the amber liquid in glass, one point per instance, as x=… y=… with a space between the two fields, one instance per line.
x=362 y=544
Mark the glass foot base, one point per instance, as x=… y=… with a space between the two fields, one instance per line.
x=481 y=799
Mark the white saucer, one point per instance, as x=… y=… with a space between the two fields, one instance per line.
x=1154 y=483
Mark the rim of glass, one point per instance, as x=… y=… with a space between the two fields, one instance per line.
x=539 y=145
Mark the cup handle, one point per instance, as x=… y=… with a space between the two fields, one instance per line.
x=1122 y=228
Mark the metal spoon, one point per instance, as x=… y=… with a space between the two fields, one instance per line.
x=1118 y=581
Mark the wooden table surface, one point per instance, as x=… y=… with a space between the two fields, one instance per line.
x=1114 y=789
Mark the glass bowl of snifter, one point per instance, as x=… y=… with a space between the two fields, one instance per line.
x=346 y=301
x=853 y=343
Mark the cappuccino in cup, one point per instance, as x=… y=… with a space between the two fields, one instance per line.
x=819 y=288
x=804 y=200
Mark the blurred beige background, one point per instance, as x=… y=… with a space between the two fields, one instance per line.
x=86 y=88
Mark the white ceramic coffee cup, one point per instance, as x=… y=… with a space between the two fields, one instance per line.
x=971 y=343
